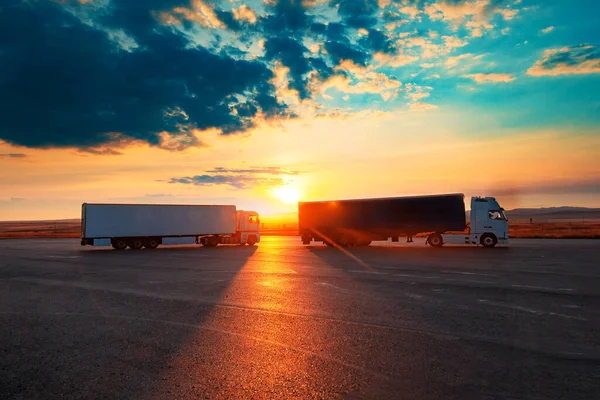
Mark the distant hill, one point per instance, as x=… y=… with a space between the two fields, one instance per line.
x=554 y=213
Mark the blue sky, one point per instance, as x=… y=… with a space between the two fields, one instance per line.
x=103 y=79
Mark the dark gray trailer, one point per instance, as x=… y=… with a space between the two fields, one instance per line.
x=359 y=221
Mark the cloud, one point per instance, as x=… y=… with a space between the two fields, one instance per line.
x=508 y=14
x=255 y=170
x=474 y=14
x=454 y=60
x=238 y=178
x=547 y=30
x=416 y=92
x=83 y=87
x=13 y=155
x=394 y=60
x=412 y=11
x=245 y=13
x=491 y=78
x=453 y=41
x=17 y=199
x=368 y=82
x=199 y=12
x=422 y=106
x=236 y=181
x=357 y=14
x=576 y=60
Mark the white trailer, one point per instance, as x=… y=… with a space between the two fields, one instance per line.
x=488 y=226
x=150 y=225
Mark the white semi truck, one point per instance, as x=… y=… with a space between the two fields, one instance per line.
x=150 y=225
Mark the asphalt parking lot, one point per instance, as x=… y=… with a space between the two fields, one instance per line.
x=282 y=320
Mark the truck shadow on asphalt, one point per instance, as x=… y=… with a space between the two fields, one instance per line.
x=408 y=250
x=119 y=328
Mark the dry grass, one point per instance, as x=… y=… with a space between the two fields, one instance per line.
x=71 y=229
x=556 y=230
x=40 y=229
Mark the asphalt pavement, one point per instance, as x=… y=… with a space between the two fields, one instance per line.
x=282 y=320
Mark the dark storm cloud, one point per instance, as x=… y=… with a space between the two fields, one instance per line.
x=357 y=13
x=236 y=181
x=376 y=41
x=64 y=83
x=286 y=15
x=339 y=51
x=291 y=54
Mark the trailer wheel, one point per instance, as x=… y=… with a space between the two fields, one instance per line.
x=435 y=240
x=251 y=240
x=136 y=244
x=488 y=240
x=211 y=241
x=119 y=244
x=151 y=243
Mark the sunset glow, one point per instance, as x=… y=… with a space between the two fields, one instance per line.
x=287 y=195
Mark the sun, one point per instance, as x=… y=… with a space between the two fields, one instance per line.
x=287 y=195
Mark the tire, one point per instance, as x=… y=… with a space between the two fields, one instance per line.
x=151 y=243
x=136 y=244
x=212 y=241
x=252 y=240
x=435 y=240
x=488 y=240
x=119 y=244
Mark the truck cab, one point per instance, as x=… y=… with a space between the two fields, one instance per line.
x=488 y=226
x=488 y=222
x=248 y=227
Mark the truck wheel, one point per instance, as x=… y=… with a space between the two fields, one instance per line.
x=151 y=243
x=488 y=240
x=212 y=241
x=306 y=239
x=119 y=244
x=251 y=240
x=435 y=240
x=136 y=244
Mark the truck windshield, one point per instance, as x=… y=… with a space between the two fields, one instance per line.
x=503 y=214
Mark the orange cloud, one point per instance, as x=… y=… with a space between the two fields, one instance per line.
x=245 y=13
x=491 y=78
x=201 y=13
